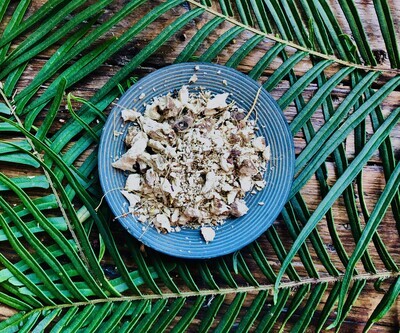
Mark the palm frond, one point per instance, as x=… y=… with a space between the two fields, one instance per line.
x=82 y=273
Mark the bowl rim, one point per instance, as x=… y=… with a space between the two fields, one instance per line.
x=277 y=112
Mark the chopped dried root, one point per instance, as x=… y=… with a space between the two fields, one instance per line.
x=193 y=157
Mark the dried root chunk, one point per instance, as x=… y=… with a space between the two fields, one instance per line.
x=211 y=182
x=208 y=234
x=151 y=112
x=133 y=183
x=184 y=95
x=138 y=147
x=193 y=158
x=133 y=199
x=162 y=222
x=132 y=132
x=154 y=129
x=239 y=208
x=267 y=153
x=246 y=183
x=218 y=102
x=259 y=144
x=130 y=115
x=193 y=78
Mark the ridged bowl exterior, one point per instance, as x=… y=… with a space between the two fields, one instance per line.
x=235 y=233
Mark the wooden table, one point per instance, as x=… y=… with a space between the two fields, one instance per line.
x=373 y=174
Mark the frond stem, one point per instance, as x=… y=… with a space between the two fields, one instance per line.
x=225 y=291
x=61 y=207
x=293 y=44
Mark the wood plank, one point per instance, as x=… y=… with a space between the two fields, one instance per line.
x=372 y=176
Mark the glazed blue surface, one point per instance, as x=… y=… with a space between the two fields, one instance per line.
x=235 y=233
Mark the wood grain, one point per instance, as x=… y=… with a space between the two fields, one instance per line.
x=373 y=177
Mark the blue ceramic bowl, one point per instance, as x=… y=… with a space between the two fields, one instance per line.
x=235 y=233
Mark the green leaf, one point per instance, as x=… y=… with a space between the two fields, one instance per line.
x=98 y=316
x=36 y=17
x=60 y=239
x=388 y=31
x=23 y=48
x=80 y=121
x=184 y=272
x=329 y=304
x=80 y=318
x=197 y=39
x=384 y=305
x=245 y=271
x=18 y=158
x=187 y=318
x=65 y=320
x=262 y=261
x=350 y=173
x=71 y=75
x=300 y=85
x=244 y=12
x=220 y=44
x=351 y=299
x=82 y=45
x=3 y=7
x=260 y=12
x=12 y=79
x=231 y=313
x=280 y=20
x=207 y=276
x=353 y=18
x=150 y=318
x=28 y=182
x=243 y=51
x=51 y=114
x=14 y=271
x=225 y=273
x=268 y=321
x=214 y=304
x=306 y=113
x=283 y=70
x=4 y=109
x=276 y=243
x=289 y=217
x=26 y=326
x=23 y=253
x=168 y=316
x=116 y=317
x=40 y=327
x=63 y=49
x=310 y=307
x=47 y=256
x=336 y=138
x=303 y=51
x=226 y=7
x=252 y=312
x=11 y=26
x=370 y=229
x=146 y=52
x=296 y=301
x=265 y=61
